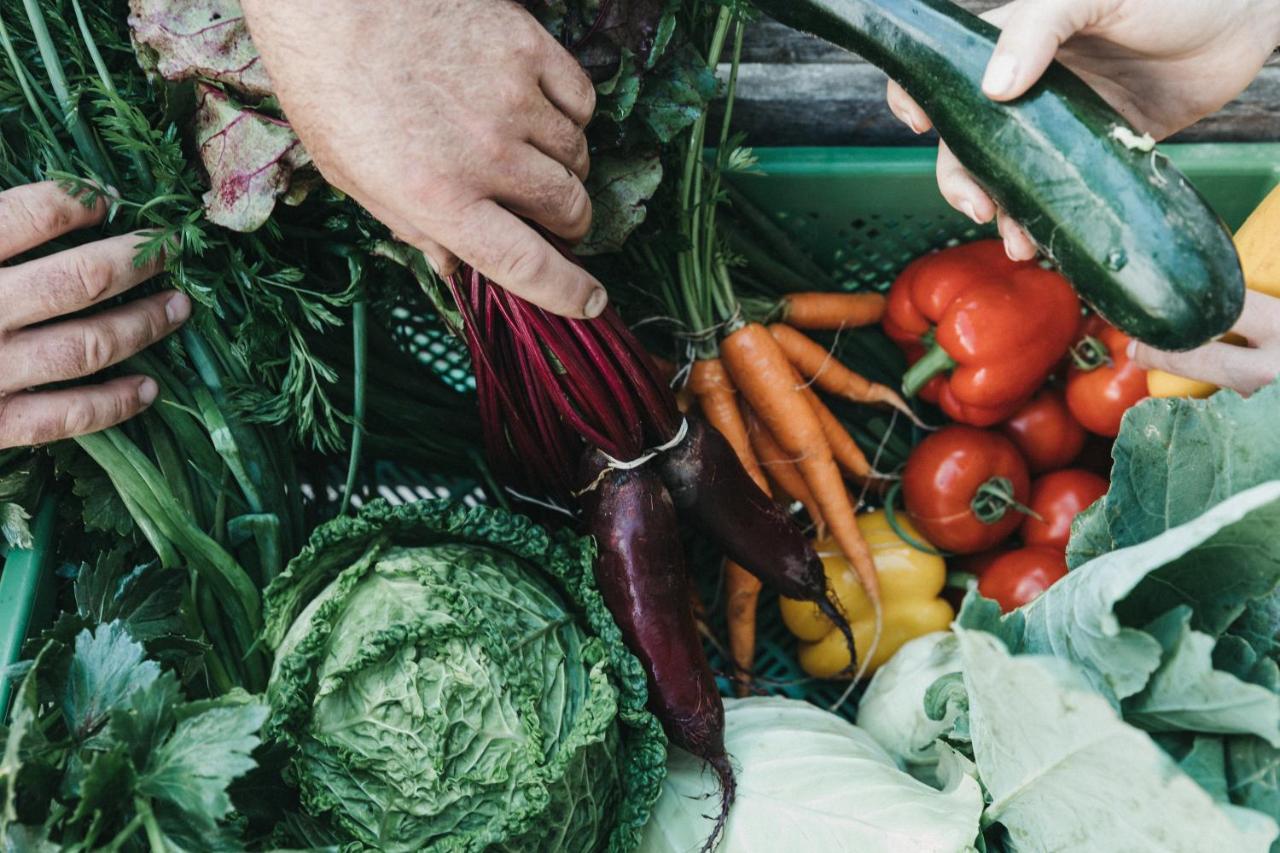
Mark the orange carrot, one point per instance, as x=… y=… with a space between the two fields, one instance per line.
x=782 y=471
x=823 y=369
x=832 y=311
x=764 y=376
x=742 y=594
x=719 y=401
x=847 y=453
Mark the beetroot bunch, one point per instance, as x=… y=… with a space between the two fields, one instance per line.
x=576 y=411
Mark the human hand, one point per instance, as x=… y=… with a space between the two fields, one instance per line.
x=450 y=121
x=35 y=352
x=1247 y=368
x=1162 y=65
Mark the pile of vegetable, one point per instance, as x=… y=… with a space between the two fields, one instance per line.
x=1147 y=678
x=251 y=653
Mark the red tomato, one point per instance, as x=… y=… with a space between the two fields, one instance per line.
x=963 y=488
x=1099 y=396
x=1019 y=577
x=1057 y=499
x=1046 y=433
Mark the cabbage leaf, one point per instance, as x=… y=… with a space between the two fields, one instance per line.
x=1065 y=772
x=810 y=780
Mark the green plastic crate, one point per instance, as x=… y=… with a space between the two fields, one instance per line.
x=865 y=212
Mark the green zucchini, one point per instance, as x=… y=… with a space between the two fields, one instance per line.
x=1136 y=239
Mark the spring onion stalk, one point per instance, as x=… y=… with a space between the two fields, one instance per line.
x=360 y=350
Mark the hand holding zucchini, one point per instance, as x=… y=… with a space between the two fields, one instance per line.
x=1134 y=237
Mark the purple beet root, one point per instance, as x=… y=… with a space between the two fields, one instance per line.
x=641 y=573
x=709 y=484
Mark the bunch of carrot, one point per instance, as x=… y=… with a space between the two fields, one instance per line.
x=760 y=394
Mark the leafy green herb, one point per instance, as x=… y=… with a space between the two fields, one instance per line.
x=115 y=751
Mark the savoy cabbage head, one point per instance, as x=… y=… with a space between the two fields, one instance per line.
x=448 y=678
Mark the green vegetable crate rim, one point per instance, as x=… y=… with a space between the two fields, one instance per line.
x=863 y=212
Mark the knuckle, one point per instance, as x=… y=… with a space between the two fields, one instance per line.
x=493 y=145
x=97 y=349
x=578 y=212
x=524 y=262
x=80 y=416
x=94 y=275
x=44 y=212
x=526 y=41
x=512 y=94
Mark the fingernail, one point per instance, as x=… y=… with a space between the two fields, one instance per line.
x=1001 y=75
x=1131 y=351
x=596 y=303
x=148 y=390
x=917 y=126
x=431 y=262
x=1011 y=250
x=969 y=210
x=178 y=308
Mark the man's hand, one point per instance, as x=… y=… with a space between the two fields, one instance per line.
x=35 y=351
x=1246 y=368
x=449 y=120
x=1164 y=64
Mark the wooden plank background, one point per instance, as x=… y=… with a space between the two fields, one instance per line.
x=798 y=90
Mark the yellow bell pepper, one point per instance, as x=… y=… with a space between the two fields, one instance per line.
x=911 y=582
x=1260 y=258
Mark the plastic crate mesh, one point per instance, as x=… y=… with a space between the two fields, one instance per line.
x=871 y=250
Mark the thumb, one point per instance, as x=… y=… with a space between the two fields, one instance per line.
x=1033 y=32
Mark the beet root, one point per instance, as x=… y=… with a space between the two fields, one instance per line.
x=640 y=571
x=709 y=484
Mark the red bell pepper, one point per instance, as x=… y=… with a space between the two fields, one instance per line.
x=983 y=332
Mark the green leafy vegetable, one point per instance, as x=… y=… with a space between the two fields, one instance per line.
x=1174 y=459
x=116 y=752
x=619 y=188
x=107 y=668
x=435 y=685
x=193 y=767
x=21 y=477
x=1064 y=771
x=250 y=157
x=206 y=39
x=1254 y=774
x=893 y=708
x=1187 y=694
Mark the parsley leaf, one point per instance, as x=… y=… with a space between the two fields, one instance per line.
x=107 y=668
x=193 y=768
